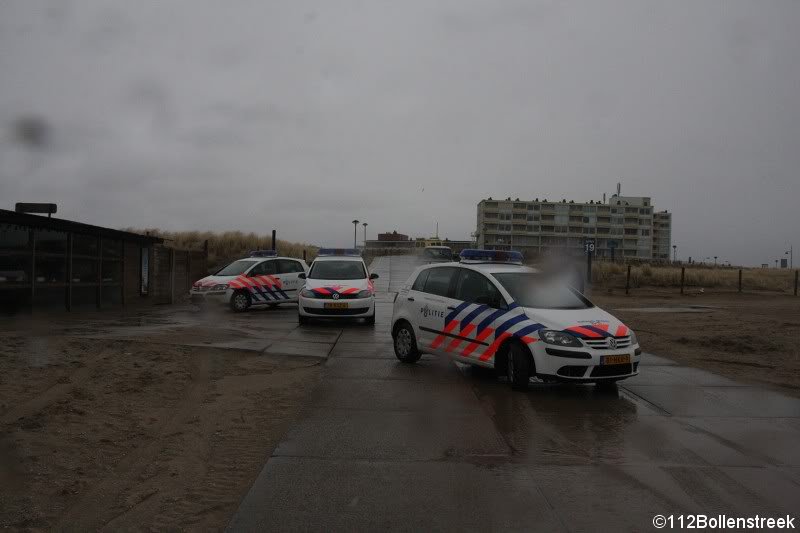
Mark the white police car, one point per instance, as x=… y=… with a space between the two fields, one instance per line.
x=338 y=285
x=490 y=310
x=261 y=279
x=437 y=253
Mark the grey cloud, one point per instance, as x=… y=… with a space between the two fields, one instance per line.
x=305 y=115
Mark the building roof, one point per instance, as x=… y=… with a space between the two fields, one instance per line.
x=59 y=224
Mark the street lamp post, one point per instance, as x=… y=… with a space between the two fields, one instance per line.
x=365 y=234
x=355 y=229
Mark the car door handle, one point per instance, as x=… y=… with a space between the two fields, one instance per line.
x=410 y=299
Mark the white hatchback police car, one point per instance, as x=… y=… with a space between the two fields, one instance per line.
x=261 y=279
x=490 y=310
x=338 y=285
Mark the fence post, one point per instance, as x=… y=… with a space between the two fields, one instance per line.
x=795 y=282
x=740 y=280
x=683 y=276
x=628 y=281
x=172 y=275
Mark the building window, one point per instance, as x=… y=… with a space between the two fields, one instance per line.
x=51 y=242
x=14 y=238
x=85 y=245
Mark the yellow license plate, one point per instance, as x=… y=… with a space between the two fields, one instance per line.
x=336 y=305
x=615 y=359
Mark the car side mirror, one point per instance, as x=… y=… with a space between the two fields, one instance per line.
x=301 y=275
x=373 y=276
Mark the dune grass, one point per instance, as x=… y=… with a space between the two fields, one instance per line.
x=705 y=277
x=227 y=246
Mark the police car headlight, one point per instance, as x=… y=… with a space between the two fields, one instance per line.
x=220 y=287
x=559 y=338
x=305 y=293
x=366 y=293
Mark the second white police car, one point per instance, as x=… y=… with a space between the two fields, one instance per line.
x=491 y=311
x=338 y=285
x=261 y=279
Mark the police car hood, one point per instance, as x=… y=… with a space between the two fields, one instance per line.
x=210 y=281
x=583 y=323
x=328 y=287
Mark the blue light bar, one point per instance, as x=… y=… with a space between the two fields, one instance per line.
x=490 y=256
x=339 y=251
x=263 y=253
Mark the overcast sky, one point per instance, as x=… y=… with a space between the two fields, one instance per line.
x=301 y=115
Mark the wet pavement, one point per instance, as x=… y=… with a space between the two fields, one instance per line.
x=440 y=446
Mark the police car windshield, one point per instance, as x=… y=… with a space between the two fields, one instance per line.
x=337 y=270
x=236 y=268
x=439 y=253
x=540 y=291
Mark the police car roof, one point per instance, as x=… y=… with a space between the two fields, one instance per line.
x=253 y=259
x=488 y=268
x=339 y=258
x=497 y=268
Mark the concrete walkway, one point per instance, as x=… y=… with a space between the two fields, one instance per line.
x=438 y=446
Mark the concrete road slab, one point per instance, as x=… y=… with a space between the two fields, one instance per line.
x=690 y=400
x=649 y=359
x=776 y=441
x=766 y=490
x=381 y=350
x=558 y=398
x=378 y=334
x=428 y=370
x=399 y=436
x=394 y=395
x=574 y=438
x=603 y=497
x=444 y=446
x=257 y=345
x=679 y=375
x=312 y=334
x=294 y=494
x=301 y=348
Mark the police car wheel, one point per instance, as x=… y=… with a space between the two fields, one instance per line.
x=405 y=344
x=302 y=319
x=370 y=320
x=518 y=367
x=240 y=301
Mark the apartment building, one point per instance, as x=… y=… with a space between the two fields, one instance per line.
x=623 y=227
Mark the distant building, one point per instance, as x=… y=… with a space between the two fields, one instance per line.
x=626 y=224
x=401 y=241
x=393 y=236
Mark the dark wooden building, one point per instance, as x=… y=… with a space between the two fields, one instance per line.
x=56 y=264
